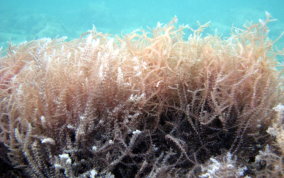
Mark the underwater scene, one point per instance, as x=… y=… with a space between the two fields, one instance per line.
x=134 y=89
x=33 y=19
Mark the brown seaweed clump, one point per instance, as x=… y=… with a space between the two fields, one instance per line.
x=148 y=104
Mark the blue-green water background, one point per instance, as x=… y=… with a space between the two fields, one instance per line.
x=24 y=20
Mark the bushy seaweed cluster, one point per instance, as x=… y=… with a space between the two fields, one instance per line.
x=149 y=104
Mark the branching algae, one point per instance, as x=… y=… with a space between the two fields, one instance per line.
x=148 y=104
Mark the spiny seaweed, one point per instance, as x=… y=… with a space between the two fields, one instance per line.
x=147 y=104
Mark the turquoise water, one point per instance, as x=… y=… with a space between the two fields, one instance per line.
x=24 y=20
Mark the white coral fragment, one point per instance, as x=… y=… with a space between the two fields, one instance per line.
x=64 y=156
x=48 y=141
x=94 y=148
x=272 y=131
x=43 y=121
x=136 y=132
x=136 y=98
x=57 y=166
x=93 y=173
x=222 y=166
x=279 y=108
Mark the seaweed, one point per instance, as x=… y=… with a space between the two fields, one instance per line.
x=148 y=104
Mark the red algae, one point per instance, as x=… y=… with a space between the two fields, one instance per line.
x=148 y=104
